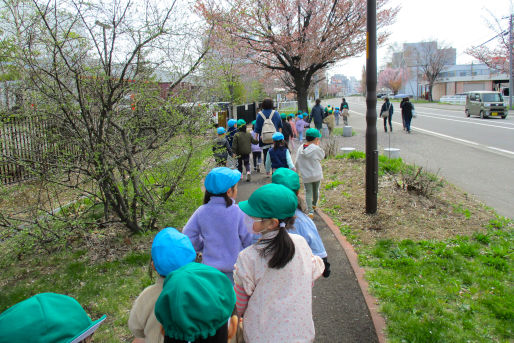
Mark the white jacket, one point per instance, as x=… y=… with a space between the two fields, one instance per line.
x=308 y=162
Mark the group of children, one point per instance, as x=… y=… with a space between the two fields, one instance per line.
x=259 y=260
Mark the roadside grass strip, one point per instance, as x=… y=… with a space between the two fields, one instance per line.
x=456 y=290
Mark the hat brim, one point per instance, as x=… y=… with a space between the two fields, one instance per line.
x=89 y=331
x=248 y=209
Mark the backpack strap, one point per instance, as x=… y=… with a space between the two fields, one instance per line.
x=262 y=115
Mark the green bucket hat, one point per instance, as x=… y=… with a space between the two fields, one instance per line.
x=270 y=201
x=312 y=132
x=47 y=317
x=241 y=122
x=283 y=115
x=286 y=177
x=195 y=302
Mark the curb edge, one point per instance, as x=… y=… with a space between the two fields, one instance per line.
x=371 y=301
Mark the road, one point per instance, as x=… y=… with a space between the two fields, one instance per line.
x=476 y=155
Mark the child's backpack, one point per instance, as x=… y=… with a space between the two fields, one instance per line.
x=268 y=128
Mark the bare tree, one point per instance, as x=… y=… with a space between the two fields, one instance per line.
x=92 y=70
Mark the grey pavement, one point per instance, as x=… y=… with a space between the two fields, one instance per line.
x=339 y=309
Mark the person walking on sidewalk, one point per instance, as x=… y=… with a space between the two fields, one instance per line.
x=267 y=113
x=303 y=225
x=386 y=112
x=287 y=130
x=345 y=111
x=291 y=121
x=256 y=150
x=221 y=148
x=242 y=147
x=300 y=127
x=407 y=108
x=308 y=163
x=217 y=227
x=273 y=278
x=317 y=114
x=279 y=156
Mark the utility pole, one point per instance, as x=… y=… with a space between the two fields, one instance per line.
x=511 y=83
x=371 y=109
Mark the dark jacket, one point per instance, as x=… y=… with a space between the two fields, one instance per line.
x=343 y=105
x=278 y=157
x=230 y=134
x=384 y=108
x=317 y=115
x=287 y=131
x=242 y=144
x=407 y=108
x=221 y=148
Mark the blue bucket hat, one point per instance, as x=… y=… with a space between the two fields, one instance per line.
x=277 y=136
x=231 y=122
x=171 y=250
x=221 y=130
x=221 y=179
x=300 y=116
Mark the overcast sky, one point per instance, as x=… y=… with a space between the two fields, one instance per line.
x=459 y=23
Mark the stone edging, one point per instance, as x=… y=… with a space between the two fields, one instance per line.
x=371 y=301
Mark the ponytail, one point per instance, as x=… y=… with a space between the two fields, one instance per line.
x=281 y=247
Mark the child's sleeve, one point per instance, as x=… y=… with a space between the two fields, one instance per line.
x=229 y=149
x=290 y=163
x=267 y=163
x=245 y=237
x=318 y=267
x=136 y=323
x=235 y=144
x=192 y=230
x=244 y=284
x=306 y=228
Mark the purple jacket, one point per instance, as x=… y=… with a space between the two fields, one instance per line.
x=219 y=232
x=255 y=147
x=300 y=125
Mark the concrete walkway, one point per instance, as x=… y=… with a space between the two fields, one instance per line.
x=340 y=310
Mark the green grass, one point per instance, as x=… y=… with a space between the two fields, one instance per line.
x=456 y=290
x=338 y=131
x=354 y=155
x=333 y=184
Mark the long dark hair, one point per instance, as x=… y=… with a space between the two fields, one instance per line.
x=207 y=197
x=281 y=246
x=221 y=336
x=279 y=144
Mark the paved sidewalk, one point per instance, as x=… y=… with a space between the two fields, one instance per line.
x=339 y=308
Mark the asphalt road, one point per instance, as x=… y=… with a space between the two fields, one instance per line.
x=477 y=155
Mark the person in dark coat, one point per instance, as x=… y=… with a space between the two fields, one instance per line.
x=387 y=107
x=407 y=108
x=317 y=115
x=287 y=131
x=267 y=111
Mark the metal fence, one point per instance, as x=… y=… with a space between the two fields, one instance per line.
x=453 y=99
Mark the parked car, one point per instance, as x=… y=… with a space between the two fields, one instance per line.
x=485 y=104
x=401 y=96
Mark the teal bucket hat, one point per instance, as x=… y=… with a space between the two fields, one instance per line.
x=196 y=300
x=312 y=132
x=47 y=317
x=286 y=177
x=271 y=201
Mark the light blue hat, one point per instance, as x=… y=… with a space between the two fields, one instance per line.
x=221 y=130
x=221 y=179
x=171 y=250
x=231 y=122
x=300 y=116
x=277 y=136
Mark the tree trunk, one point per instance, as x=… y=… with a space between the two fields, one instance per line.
x=301 y=88
x=430 y=85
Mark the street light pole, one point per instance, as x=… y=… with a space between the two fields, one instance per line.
x=371 y=110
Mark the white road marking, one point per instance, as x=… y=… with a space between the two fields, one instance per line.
x=468 y=122
x=465 y=141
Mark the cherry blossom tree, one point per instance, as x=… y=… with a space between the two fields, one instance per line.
x=392 y=78
x=297 y=38
x=494 y=57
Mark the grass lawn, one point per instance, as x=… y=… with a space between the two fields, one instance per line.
x=441 y=266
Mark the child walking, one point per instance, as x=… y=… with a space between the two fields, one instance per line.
x=242 y=147
x=217 y=227
x=170 y=250
x=303 y=225
x=221 y=148
x=196 y=306
x=292 y=123
x=274 y=277
x=300 y=127
x=256 y=150
x=278 y=156
x=308 y=162
x=232 y=130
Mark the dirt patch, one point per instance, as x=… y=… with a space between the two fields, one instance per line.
x=401 y=214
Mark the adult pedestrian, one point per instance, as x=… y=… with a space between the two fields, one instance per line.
x=345 y=109
x=386 y=112
x=403 y=114
x=330 y=121
x=407 y=108
x=268 y=112
x=317 y=115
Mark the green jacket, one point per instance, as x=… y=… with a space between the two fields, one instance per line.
x=242 y=143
